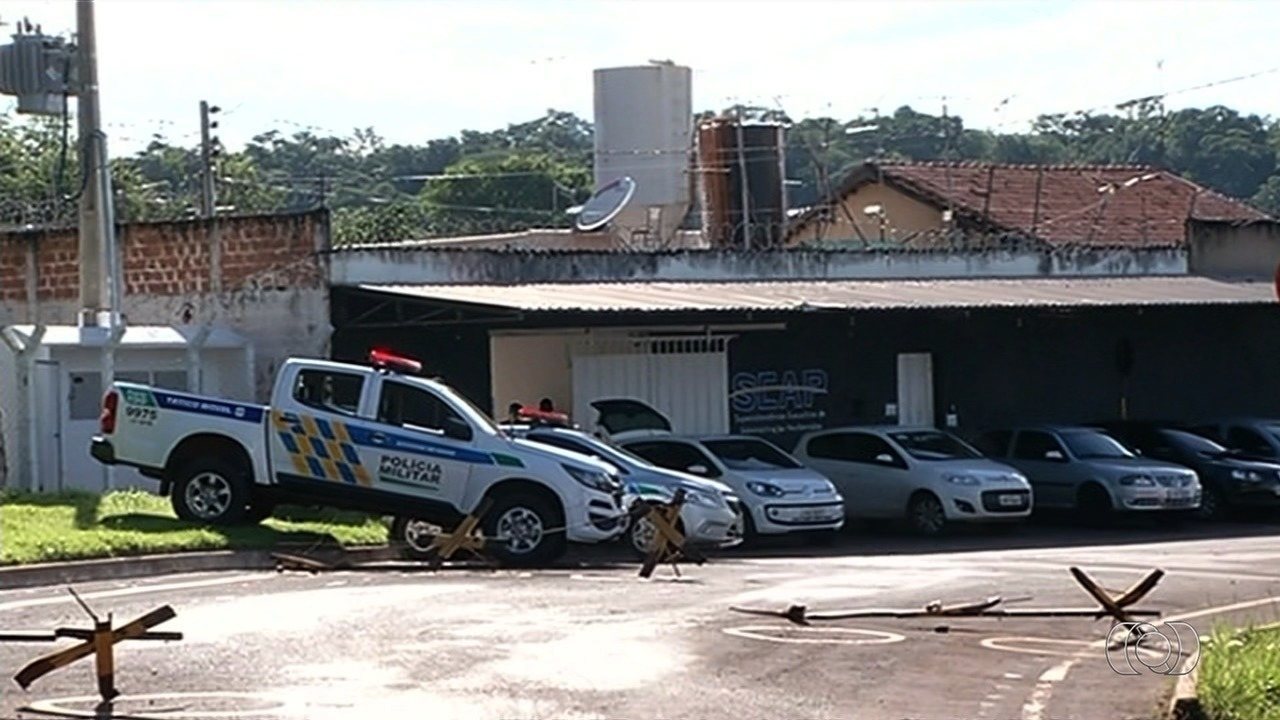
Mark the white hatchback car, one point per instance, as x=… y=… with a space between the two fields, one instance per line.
x=928 y=476
x=779 y=495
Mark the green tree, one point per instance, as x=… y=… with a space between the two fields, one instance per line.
x=498 y=192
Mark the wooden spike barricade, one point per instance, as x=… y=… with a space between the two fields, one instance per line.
x=669 y=543
x=99 y=642
x=466 y=536
x=1117 y=607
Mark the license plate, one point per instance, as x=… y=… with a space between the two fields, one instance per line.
x=813 y=516
x=1010 y=500
x=1179 y=496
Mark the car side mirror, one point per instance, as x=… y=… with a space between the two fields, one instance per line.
x=697 y=469
x=457 y=429
x=884 y=459
x=1055 y=455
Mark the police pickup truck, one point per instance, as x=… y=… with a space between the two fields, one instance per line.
x=374 y=438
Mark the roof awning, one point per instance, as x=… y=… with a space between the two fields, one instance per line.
x=840 y=295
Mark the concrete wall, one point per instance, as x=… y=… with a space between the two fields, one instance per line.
x=1234 y=250
x=903 y=216
x=272 y=270
x=527 y=368
x=417 y=266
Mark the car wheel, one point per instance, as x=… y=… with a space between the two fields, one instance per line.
x=1093 y=505
x=643 y=533
x=211 y=490
x=523 y=529
x=925 y=514
x=1211 y=505
x=415 y=536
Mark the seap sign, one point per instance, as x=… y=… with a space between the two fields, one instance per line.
x=781 y=401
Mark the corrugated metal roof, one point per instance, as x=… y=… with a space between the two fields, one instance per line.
x=844 y=294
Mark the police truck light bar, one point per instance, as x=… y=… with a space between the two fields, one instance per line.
x=385 y=360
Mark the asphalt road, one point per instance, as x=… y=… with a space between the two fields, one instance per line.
x=596 y=641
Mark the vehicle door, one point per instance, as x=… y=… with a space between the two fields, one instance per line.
x=1042 y=458
x=848 y=459
x=311 y=436
x=418 y=444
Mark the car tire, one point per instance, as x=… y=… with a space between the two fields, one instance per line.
x=211 y=490
x=523 y=529
x=640 y=533
x=1212 y=507
x=415 y=536
x=749 y=533
x=1093 y=505
x=925 y=515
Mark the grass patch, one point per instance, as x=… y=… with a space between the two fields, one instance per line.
x=77 y=525
x=1240 y=674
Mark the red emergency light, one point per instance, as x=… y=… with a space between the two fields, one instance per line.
x=386 y=360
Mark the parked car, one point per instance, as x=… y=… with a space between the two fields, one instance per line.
x=930 y=477
x=377 y=438
x=1253 y=438
x=1091 y=472
x=628 y=418
x=779 y=494
x=1228 y=479
x=710 y=517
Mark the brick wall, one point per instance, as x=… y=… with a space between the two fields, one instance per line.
x=172 y=259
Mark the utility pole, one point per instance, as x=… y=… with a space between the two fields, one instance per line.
x=208 y=197
x=98 y=280
x=100 y=275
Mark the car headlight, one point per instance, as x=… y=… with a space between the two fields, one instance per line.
x=765 y=489
x=593 y=479
x=1246 y=475
x=963 y=480
x=696 y=498
x=1137 y=481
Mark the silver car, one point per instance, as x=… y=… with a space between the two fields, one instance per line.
x=930 y=477
x=1088 y=471
x=710 y=517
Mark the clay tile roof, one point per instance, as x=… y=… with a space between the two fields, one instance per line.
x=1078 y=204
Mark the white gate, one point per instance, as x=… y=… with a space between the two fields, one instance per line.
x=915 y=389
x=48 y=420
x=684 y=378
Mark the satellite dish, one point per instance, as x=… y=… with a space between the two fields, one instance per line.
x=605 y=204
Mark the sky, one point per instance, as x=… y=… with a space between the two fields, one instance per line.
x=421 y=69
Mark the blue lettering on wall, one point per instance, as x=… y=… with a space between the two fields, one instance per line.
x=772 y=391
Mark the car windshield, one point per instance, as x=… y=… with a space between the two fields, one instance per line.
x=934 y=445
x=749 y=454
x=1090 y=445
x=1195 y=443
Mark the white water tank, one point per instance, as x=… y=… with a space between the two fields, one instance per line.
x=644 y=130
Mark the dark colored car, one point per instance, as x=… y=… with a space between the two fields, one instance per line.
x=1230 y=479
x=1252 y=438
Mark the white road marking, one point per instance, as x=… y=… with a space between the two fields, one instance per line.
x=62 y=706
x=139 y=590
x=762 y=632
x=1007 y=644
x=1038 y=701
